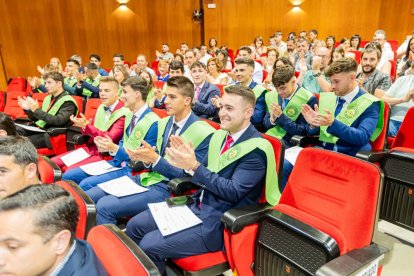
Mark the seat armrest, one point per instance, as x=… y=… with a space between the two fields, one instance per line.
x=55 y=131
x=236 y=219
x=137 y=166
x=23 y=120
x=303 y=141
x=358 y=261
x=74 y=129
x=80 y=139
x=371 y=156
x=180 y=185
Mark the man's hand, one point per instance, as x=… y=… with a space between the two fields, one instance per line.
x=181 y=154
x=105 y=144
x=79 y=122
x=145 y=153
x=216 y=101
x=275 y=112
x=316 y=64
x=23 y=103
x=409 y=95
x=32 y=103
x=158 y=94
x=309 y=114
x=324 y=119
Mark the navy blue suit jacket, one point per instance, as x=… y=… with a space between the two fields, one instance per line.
x=165 y=168
x=83 y=261
x=238 y=185
x=356 y=137
x=298 y=127
x=260 y=107
x=204 y=108
x=150 y=138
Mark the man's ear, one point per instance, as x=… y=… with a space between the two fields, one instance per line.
x=31 y=171
x=61 y=241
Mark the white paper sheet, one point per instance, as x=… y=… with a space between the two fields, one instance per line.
x=75 y=157
x=98 y=168
x=31 y=128
x=122 y=186
x=172 y=219
x=291 y=154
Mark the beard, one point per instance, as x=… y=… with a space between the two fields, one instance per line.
x=370 y=70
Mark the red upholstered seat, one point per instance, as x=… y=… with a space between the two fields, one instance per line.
x=87 y=210
x=221 y=87
x=159 y=84
x=380 y=143
x=49 y=172
x=12 y=108
x=201 y=262
x=16 y=84
x=162 y=113
x=405 y=135
x=393 y=73
x=265 y=73
x=39 y=97
x=91 y=106
x=118 y=253
x=2 y=100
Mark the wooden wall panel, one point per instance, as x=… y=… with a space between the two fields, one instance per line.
x=33 y=31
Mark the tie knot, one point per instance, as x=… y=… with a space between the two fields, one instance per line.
x=341 y=100
x=229 y=139
x=175 y=127
x=198 y=88
x=107 y=108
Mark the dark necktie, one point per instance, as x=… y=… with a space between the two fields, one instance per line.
x=174 y=129
x=132 y=124
x=339 y=106
x=106 y=108
x=285 y=103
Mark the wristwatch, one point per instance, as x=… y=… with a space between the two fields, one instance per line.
x=317 y=74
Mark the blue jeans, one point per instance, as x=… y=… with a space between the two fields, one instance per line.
x=287 y=170
x=393 y=128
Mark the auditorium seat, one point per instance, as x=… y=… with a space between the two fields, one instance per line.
x=87 y=209
x=214 y=263
x=16 y=84
x=48 y=171
x=154 y=66
x=2 y=100
x=159 y=84
x=118 y=253
x=324 y=222
x=358 y=56
x=12 y=108
x=162 y=113
x=393 y=73
x=405 y=135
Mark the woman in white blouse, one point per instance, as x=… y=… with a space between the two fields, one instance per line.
x=214 y=74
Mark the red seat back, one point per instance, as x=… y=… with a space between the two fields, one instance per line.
x=12 y=108
x=79 y=103
x=2 y=100
x=87 y=210
x=154 y=66
x=380 y=143
x=265 y=73
x=405 y=135
x=393 y=44
x=162 y=113
x=118 y=253
x=221 y=87
x=40 y=97
x=212 y=123
x=49 y=172
x=159 y=84
x=337 y=190
x=16 y=84
x=91 y=106
x=393 y=73
x=358 y=56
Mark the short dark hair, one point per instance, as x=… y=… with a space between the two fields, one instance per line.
x=95 y=56
x=92 y=66
x=282 y=75
x=74 y=61
x=7 y=124
x=247 y=61
x=284 y=60
x=246 y=93
x=22 y=150
x=370 y=50
x=121 y=56
x=54 y=209
x=139 y=84
x=301 y=39
x=182 y=84
x=56 y=76
x=314 y=31
x=175 y=65
x=342 y=65
x=109 y=79
x=198 y=64
x=247 y=49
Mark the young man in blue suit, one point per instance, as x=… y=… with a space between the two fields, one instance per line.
x=204 y=91
x=38 y=235
x=346 y=120
x=182 y=122
x=283 y=118
x=140 y=124
x=232 y=175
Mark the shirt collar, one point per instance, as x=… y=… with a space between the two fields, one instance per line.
x=62 y=264
x=181 y=123
x=112 y=106
x=201 y=86
x=351 y=95
x=238 y=134
x=141 y=111
x=297 y=87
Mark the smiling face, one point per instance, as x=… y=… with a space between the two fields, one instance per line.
x=243 y=73
x=369 y=62
x=108 y=93
x=199 y=75
x=234 y=113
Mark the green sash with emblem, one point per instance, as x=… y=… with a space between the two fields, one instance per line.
x=292 y=110
x=196 y=133
x=258 y=90
x=70 y=81
x=55 y=108
x=150 y=95
x=86 y=92
x=217 y=161
x=133 y=141
x=349 y=114
x=103 y=125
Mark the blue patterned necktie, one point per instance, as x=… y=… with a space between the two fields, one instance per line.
x=339 y=106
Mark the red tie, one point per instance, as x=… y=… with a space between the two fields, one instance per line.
x=229 y=141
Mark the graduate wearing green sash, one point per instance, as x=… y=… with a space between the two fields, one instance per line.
x=183 y=123
x=109 y=121
x=283 y=118
x=56 y=110
x=239 y=166
x=88 y=87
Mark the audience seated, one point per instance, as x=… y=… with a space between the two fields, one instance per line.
x=257 y=75
x=214 y=75
x=165 y=53
x=56 y=110
x=371 y=80
x=330 y=43
x=163 y=70
x=386 y=50
x=283 y=118
x=259 y=47
x=118 y=59
x=407 y=58
x=7 y=126
x=88 y=84
x=182 y=123
x=18 y=158
x=70 y=73
x=356 y=43
x=38 y=230
x=189 y=58
x=108 y=122
x=204 y=92
x=142 y=64
x=347 y=119
x=95 y=58
x=176 y=69
x=223 y=57
x=302 y=54
x=204 y=55
x=234 y=183
x=120 y=73
x=279 y=44
x=140 y=124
